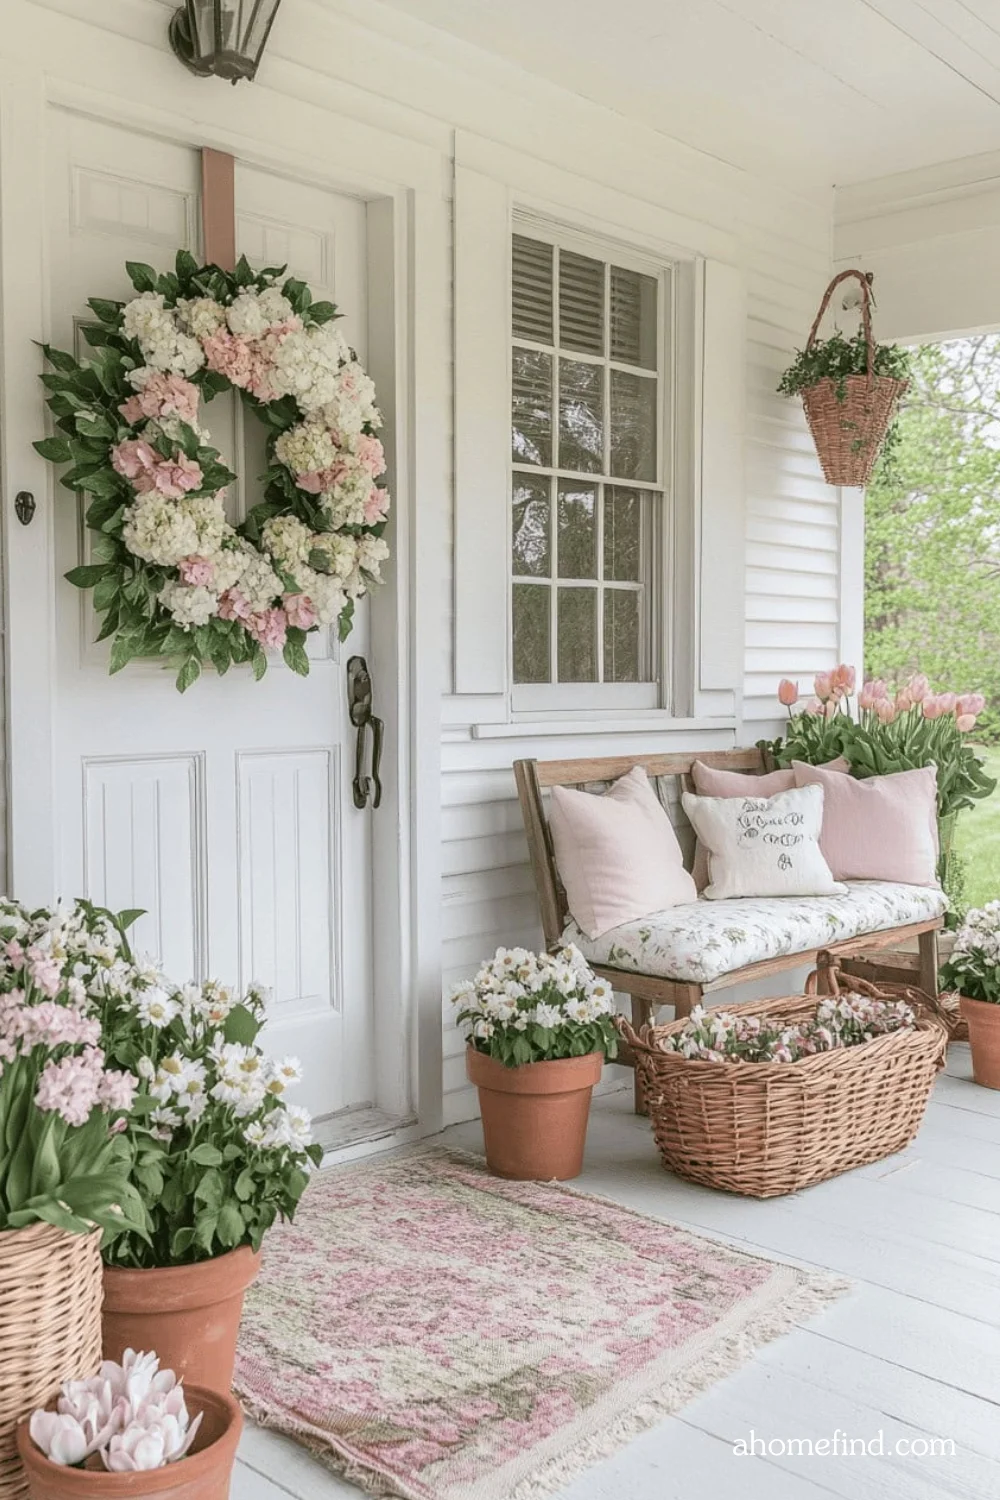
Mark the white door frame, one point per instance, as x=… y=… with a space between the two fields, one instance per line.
x=404 y=185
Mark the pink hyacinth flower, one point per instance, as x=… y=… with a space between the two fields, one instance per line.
x=788 y=692
x=300 y=610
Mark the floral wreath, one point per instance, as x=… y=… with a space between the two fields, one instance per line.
x=171 y=576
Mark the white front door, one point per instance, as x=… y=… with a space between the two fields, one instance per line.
x=226 y=813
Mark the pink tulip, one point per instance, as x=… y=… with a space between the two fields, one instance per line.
x=867 y=698
x=823 y=685
x=831 y=708
x=966 y=722
x=842 y=680
x=886 y=710
x=788 y=692
x=904 y=700
x=971 y=703
x=918 y=687
x=946 y=702
x=932 y=707
x=879 y=689
x=814 y=707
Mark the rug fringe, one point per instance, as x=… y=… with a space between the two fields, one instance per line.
x=805 y=1301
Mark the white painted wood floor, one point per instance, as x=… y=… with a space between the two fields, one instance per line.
x=913 y=1351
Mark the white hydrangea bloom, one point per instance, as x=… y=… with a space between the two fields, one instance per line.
x=246 y=318
x=189 y=604
x=163 y=531
x=306 y=364
x=307 y=448
x=201 y=316
x=345 y=503
x=259 y=583
x=274 y=305
x=146 y=318
x=288 y=539
x=352 y=405
x=230 y=561
x=328 y=598
x=340 y=550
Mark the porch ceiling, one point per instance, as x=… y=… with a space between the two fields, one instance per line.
x=815 y=92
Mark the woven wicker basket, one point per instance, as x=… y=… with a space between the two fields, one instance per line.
x=849 y=419
x=763 y=1129
x=50 y=1326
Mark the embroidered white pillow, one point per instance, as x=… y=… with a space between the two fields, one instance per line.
x=617 y=854
x=763 y=846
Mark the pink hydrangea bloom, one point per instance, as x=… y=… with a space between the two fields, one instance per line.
x=171 y=478
x=300 y=610
x=269 y=628
x=371 y=454
x=15 y=953
x=230 y=356
x=197 y=571
x=376 y=506
x=133 y=458
x=233 y=606
x=163 y=395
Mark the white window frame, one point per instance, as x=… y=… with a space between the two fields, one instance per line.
x=703 y=664
x=536 y=699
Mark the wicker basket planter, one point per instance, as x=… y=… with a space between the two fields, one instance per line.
x=763 y=1129
x=50 y=1326
x=849 y=418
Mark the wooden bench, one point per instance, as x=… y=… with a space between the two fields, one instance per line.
x=669 y=774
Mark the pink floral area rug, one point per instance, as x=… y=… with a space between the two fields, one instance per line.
x=433 y=1332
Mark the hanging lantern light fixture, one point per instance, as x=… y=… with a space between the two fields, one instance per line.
x=222 y=38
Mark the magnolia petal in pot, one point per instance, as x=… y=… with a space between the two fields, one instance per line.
x=189 y=1314
x=204 y=1474
x=535 y=1116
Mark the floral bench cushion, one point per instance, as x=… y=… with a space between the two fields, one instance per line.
x=704 y=940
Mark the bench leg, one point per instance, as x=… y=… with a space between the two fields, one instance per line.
x=928 y=943
x=642 y=1014
x=686 y=997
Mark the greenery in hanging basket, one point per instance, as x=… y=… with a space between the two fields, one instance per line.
x=836 y=358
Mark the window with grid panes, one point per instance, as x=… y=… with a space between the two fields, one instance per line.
x=588 y=440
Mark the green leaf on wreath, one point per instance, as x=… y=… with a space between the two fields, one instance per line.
x=60 y=360
x=87 y=575
x=346 y=621
x=189 y=673
x=185 y=265
x=105 y=309
x=94 y=424
x=124 y=648
x=55 y=449
x=295 y=657
x=323 y=312
x=258 y=662
x=142 y=277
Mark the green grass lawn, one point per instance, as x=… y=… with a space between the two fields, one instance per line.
x=977 y=841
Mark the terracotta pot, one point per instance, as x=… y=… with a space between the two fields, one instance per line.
x=203 y=1475
x=535 y=1116
x=983 y=1020
x=190 y=1315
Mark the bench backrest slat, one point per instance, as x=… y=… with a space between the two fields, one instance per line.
x=534 y=775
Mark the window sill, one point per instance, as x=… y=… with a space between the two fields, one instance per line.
x=654 y=723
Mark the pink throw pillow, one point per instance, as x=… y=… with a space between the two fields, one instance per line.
x=617 y=854
x=711 y=781
x=883 y=828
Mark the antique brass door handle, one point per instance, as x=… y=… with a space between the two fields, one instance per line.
x=359 y=707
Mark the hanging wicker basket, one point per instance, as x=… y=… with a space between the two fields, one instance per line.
x=50 y=1326
x=849 y=418
x=763 y=1129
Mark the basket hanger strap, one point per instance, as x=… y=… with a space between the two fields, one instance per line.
x=866 y=312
